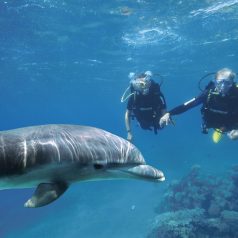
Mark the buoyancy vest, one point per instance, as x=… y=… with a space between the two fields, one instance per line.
x=149 y=108
x=221 y=111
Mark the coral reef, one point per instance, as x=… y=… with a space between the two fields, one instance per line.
x=199 y=205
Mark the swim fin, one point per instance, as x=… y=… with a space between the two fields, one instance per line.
x=217 y=135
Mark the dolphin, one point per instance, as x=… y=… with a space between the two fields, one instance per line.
x=52 y=157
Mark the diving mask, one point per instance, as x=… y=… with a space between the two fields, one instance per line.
x=142 y=85
x=224 y=81
x=223 y=86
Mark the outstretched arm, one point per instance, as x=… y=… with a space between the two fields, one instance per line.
x=128 y=124
x=186 y=106
x=165 y=120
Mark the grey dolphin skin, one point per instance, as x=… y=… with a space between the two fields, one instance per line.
x=52 y=157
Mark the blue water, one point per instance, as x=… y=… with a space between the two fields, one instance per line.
x=68 y=62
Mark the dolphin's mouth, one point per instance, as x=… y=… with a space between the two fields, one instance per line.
x=145 y=172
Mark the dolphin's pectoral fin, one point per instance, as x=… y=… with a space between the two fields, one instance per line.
x=46 y=193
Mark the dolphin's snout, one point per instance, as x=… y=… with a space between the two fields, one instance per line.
x=147 y=172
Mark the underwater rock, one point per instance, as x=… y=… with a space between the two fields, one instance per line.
x=230 y=216
x=214 y=210
x=176 y=224
x=215 y=200
x=194 y=190
x=234 y=175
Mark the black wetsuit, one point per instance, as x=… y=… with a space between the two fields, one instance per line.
x=147 y=109
x=217 y=111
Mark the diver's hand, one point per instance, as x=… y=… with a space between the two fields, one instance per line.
x=165 y=120
x=129 y=136
x=233 y=135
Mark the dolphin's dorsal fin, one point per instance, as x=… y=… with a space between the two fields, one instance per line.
x=46 y=193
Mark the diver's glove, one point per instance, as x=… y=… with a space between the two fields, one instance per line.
x=233 y=135
x=165 y=120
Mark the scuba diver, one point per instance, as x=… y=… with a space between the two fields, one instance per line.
x=146 y=103
x=219 y=106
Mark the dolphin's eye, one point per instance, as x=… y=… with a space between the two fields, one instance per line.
x=98 y=166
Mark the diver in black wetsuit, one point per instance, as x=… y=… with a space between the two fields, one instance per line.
x=219 y=105
x=146 y=103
